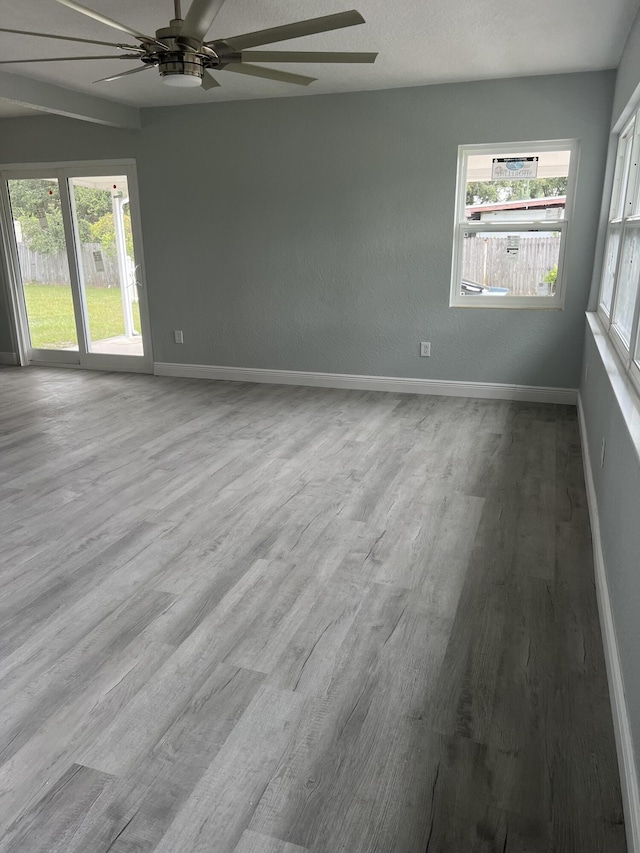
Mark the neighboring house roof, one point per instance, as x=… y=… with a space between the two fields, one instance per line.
x=522 y=204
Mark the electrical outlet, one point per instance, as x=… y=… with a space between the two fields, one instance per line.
x=178 y=337
x=425 y=349
x=602 y=452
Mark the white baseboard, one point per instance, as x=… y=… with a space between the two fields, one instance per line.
x=106 y=366
x=486 y=390
x=8 y=358
x=622 y=728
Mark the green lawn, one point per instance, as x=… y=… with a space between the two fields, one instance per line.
x=50 y=311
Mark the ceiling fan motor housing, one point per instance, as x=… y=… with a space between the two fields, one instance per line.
x=180 y=66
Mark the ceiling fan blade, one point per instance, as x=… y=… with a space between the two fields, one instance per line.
x=65 y=59
x=268 y=73
x=124 y=74
x=305 y=56
x=200 y=17
x=292 y=31
x=104 y=20
x=209 y=81
x=70 y=38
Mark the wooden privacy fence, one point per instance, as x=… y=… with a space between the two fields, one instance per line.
x=39 y=268
x=486 y=261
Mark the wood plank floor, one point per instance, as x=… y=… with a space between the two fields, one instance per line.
x=262 y=619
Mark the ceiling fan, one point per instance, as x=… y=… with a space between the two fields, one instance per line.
x=184 y=59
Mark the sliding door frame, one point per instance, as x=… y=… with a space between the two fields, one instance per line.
x=64 y=173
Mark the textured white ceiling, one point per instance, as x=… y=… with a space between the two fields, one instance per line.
x=419 y=41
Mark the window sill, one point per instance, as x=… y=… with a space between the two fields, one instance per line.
x=621 y=383
x=518 y=303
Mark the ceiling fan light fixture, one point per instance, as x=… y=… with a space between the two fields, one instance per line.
x=180 y=80
x=182 y=71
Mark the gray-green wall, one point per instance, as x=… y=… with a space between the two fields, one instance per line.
x=628 y=78
x=315 y=233
x=617 y=485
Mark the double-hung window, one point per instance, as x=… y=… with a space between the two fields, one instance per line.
x=513 y=210
x=619 y=301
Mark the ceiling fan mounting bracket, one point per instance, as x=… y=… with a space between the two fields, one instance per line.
x=225 y=52
x=136 y=48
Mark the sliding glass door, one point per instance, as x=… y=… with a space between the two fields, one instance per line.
x=73 y=234
x=45 y=279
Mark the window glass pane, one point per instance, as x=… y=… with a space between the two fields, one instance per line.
x=107 y=263
x=627 y=284
x=518 y=263
x=518 y=187
x=609 y=269
x=633 y=185
x=623 y=159
x=44 y=268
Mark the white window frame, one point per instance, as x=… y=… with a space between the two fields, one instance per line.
x=462 y=226
x=624 y=216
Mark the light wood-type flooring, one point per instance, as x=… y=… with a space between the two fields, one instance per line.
x=264 y=619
